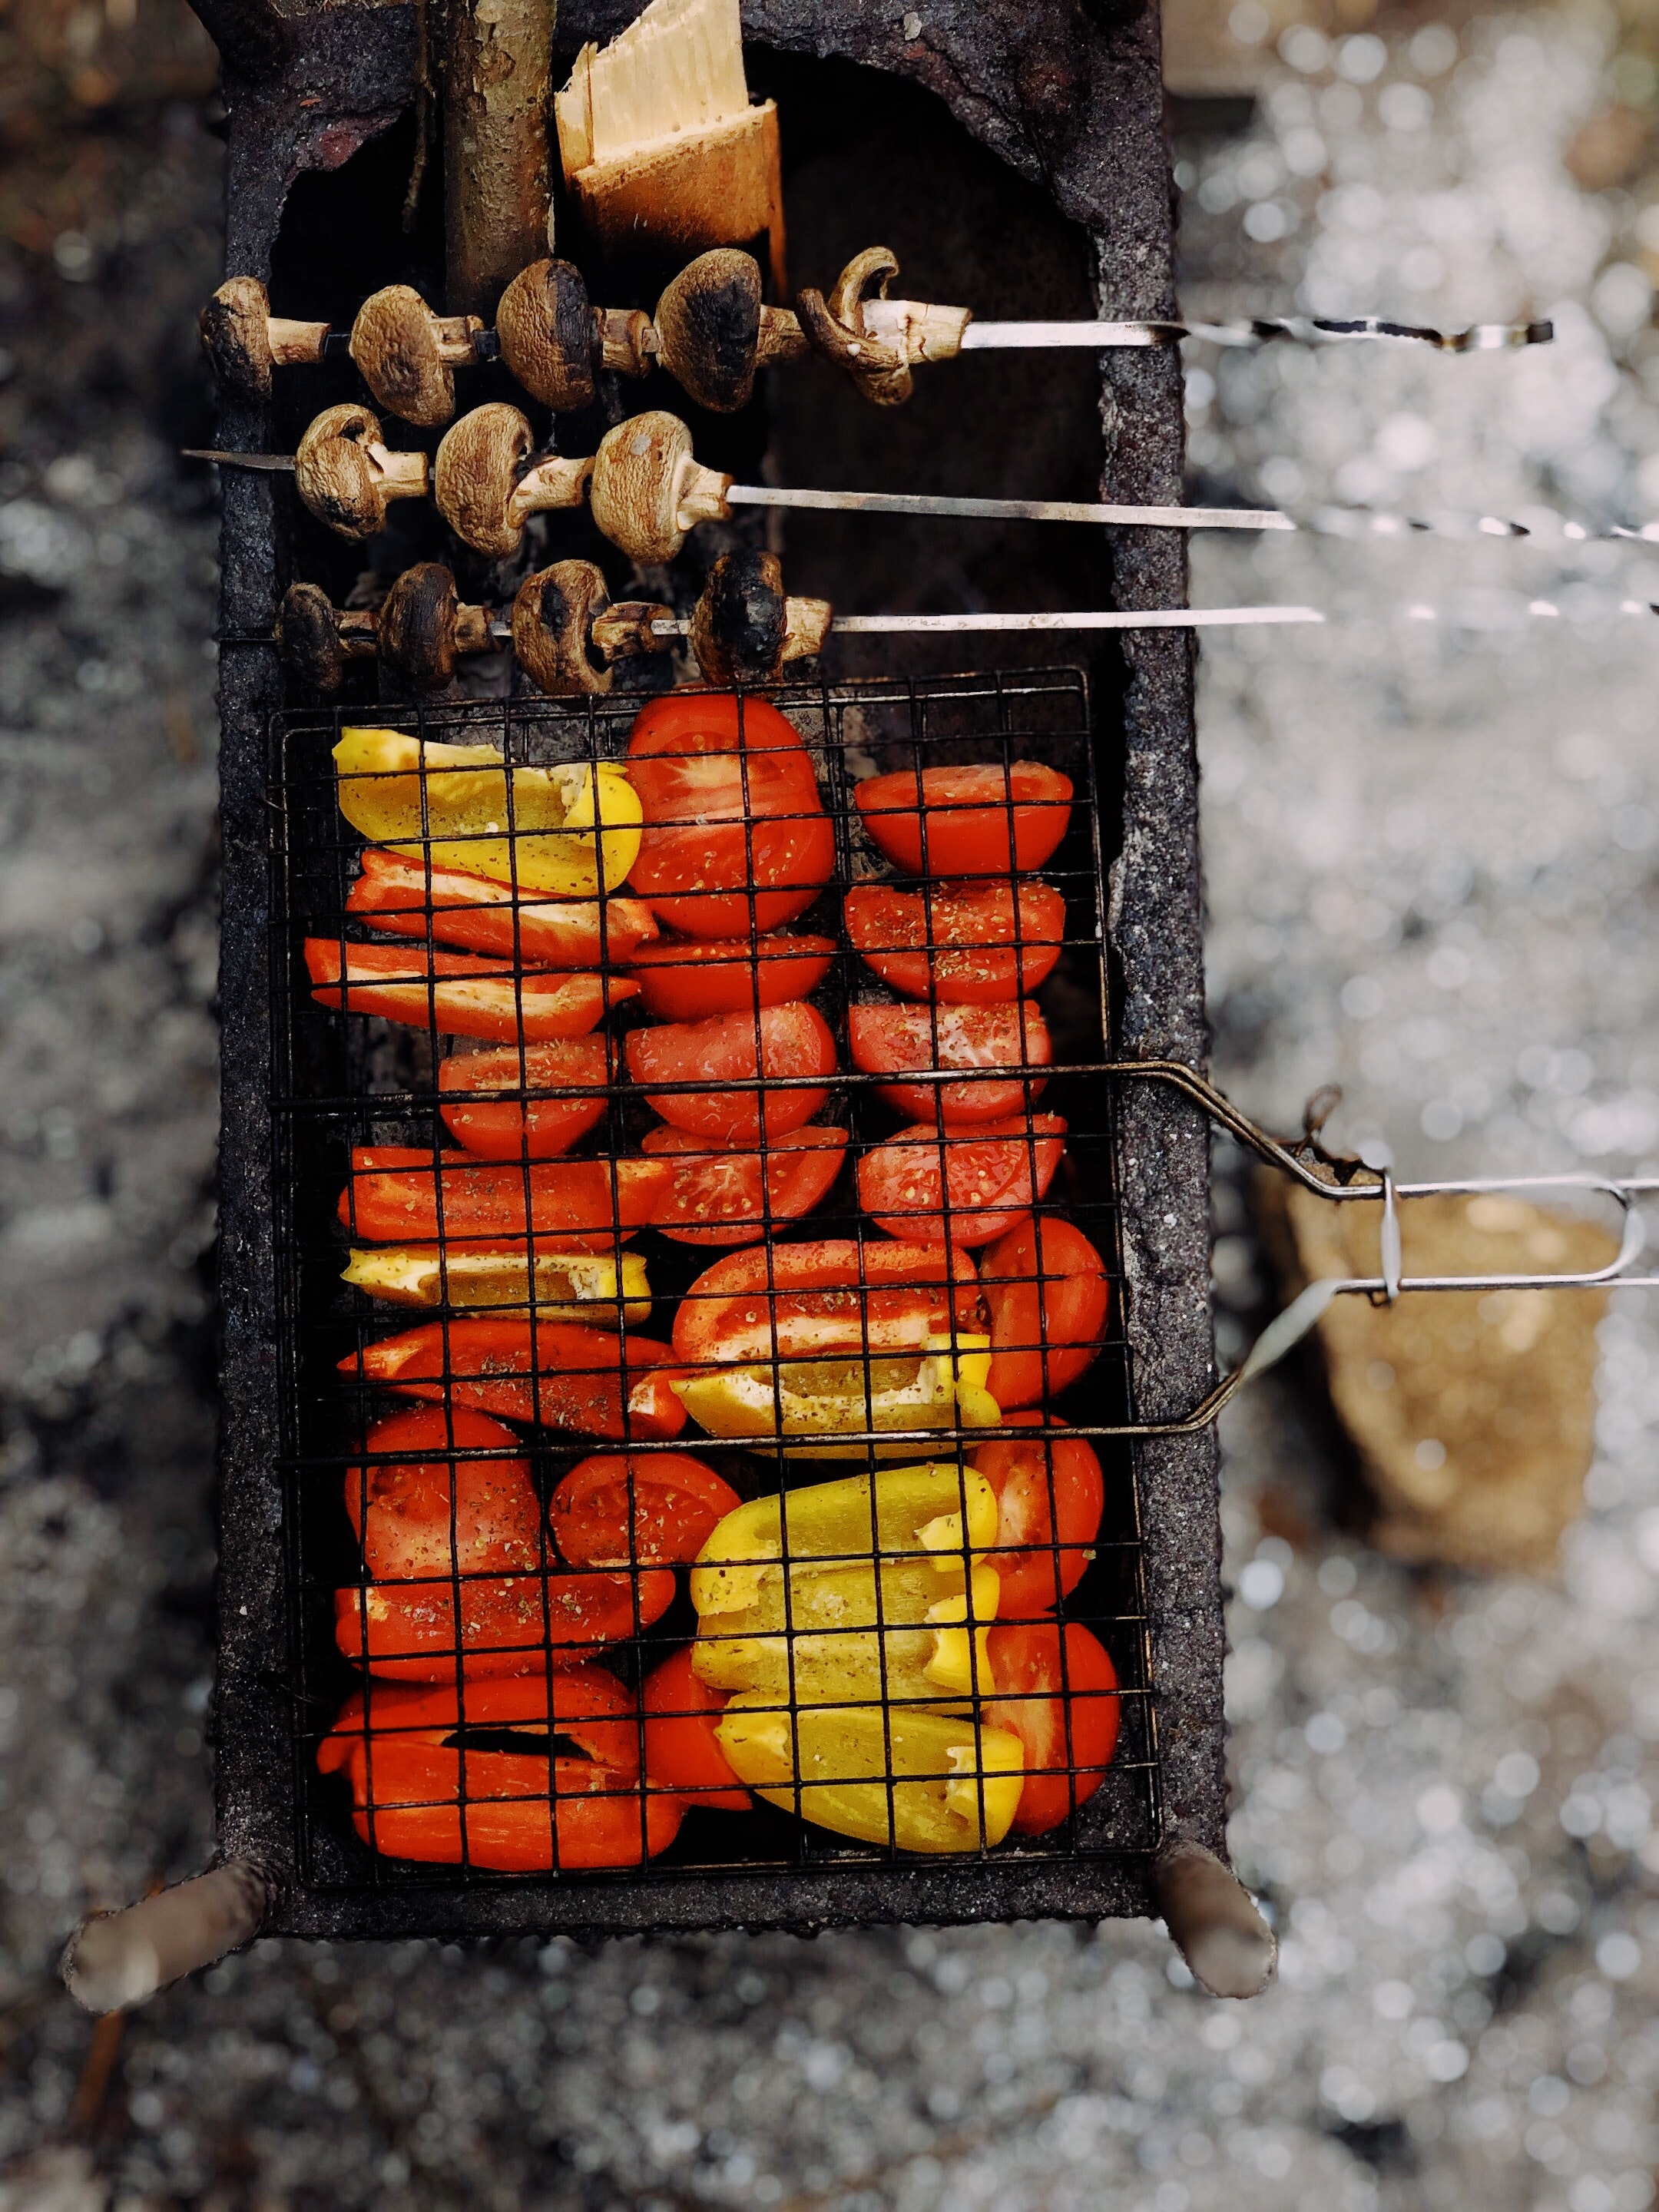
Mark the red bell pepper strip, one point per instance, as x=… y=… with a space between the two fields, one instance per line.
x=686 y=983
x=431 y=1511
x=1050 y=1494
x=677 y=1500
x=457 y=995
x=1060 y=1698
x=518 y=1128
x=1047 y=1292
x=927 y=1185
x=581 y=1205
x=550 y=1374
x=717 y=1197
x=508 y=1622
x=681 y=1747
x=403 y=897
x=794 y=1041
x=793 y=1301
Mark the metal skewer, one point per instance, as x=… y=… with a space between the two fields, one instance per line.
x=1299 y=330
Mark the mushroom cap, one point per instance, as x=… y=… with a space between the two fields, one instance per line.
x=739 y=624
x=476 y=474
x=308 y=632
x=545 y=326
x=553 y=616
x=633 y=490
x=395 y=345
x=335 y=478
x=234 y=333
x=415 y=637
x=708 y=328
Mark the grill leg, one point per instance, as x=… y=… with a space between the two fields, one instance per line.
x=115 y=1959
x=1213 y=1922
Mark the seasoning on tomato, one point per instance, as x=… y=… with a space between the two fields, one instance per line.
x=681 y=981
x=676 y=1501
x=1049 y=1496
x=1046 y=1287
x=457 y=995
x=794 y=1041
x=1057 y=1690
x=895 y=1040
x=793 y=1301
x=434 y=1508
x=509 y=1623
x=928 y=1184
x=554 y=1374
x=957 y=821
x=408 y=897
x=682 y=1750
x=964 y=943
x=722 y=1197
x=396 y=1194
x=523 y=1126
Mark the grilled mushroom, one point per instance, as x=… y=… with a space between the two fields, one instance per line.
x=316 y=638
x=877 y=339
x=424 y=629
x=483 y=490
x=743 y=628
x=405 y=354
x=348 y=476
x=647 y=489
x=567 y=635
x=244 y=340
x=713 y=332
x=545 y=325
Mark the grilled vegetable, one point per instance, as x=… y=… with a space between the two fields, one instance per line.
x=509 y=1623
x=681 y=1751
x=584 y=1286
x=966 y=821
x=1049 y=1496
x=775 y=1042
x=1045 y=1286
x=1055 y=1688
x=795 y=1301
x=555 y=1375
x=719 y=1197
x=682 y=981
x=963 y=943
x=397 y=1194
x=513 y=1129
x=412 y=898
x=901 y=1039
x=802 y=1402
x=930 y=1185
x=434 y=1513
x=638 y=1509
x=455 y=995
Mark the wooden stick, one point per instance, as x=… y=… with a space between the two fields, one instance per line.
x=498 y=86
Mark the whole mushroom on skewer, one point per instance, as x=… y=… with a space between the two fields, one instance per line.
x=347 y=476
x=416 y=633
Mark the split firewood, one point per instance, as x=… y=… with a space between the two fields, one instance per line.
x=416 y=633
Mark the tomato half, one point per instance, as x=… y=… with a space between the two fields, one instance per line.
x=681 y=1747
x=890 y=1040
x=1046 y=1287
x=791 y=1301
x=510 y=1624
x=395 y=1196
x=683 y=982
x=1064 y=1709
x=955 y=821
x=676 y=1501
x=457 y=995
x=719 y=1197
x=403 y=896
x=927 y=1184
x=432 y=1513
x=527 y=1128
x=552 y=1374
x=794 y=1041
x=1050 y=1495
x=972 y=945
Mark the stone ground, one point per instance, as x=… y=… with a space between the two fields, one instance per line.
x=1431 y=853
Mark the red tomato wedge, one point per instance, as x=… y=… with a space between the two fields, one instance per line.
x=585 y=1206
x=430 y=1511
x=458 y=995
x=558 y=1375
x=794 y=1040
x=682 y=981
x=403 y=897
x=407 y=1629
x=1050 y=1494
x=718 y=1197
x=792 y=1301
x=965 y=944
x=1065 y=1712
x=893 y=1040
x=736 y=839
x=681 y=1747
x=527 y=1128
x=956 y=821
x=927 y=1184
x=676 y=1501
x=1046 y=1288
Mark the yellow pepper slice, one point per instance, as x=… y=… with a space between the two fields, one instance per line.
x=943 y=1387
x=582 y=1286
x=925 y=1782
x=850 y=1662
x=554 y=816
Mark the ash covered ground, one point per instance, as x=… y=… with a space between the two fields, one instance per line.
x=1432 y=862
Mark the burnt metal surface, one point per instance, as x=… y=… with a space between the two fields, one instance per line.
x=1069 y=95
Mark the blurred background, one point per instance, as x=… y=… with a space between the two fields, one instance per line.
x=1432 y=854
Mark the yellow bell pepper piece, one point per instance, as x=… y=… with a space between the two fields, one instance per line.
x=583 y=1286
x=554 y=816
x=925 y=1782
x=941 y=1388
x=852 y=1663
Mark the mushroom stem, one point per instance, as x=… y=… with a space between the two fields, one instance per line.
x=403 y=474
x=291 y=342
x=557 y=481
x=627 y=341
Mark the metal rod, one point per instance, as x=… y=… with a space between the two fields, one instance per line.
x=1080 y=618
x=1299 y=330
x=1011 y=510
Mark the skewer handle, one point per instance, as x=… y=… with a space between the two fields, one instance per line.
x=1213 y=1922
x=115 y=1959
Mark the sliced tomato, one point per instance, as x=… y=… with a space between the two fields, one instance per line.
x=527 y=1128
x=719 y=1197
x=956 y=821
x=406 y=1630
x=964 y=943
x=928 y=1184
x=681 y=1747
x=553 y=1374
x=891 y=1039
x=1057 y=1691
x=431 y=1512
x=1050 y=1495
x=794 y=1041
x=677 y=1500
x=792 y=1301
x=396 y=1196
x=1046 y=1287
x=457 y=995
x=715 y=722
x=399 y=894
x=735 y=880
x=683 y=982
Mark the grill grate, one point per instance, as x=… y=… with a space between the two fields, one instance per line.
x=346 y=1080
